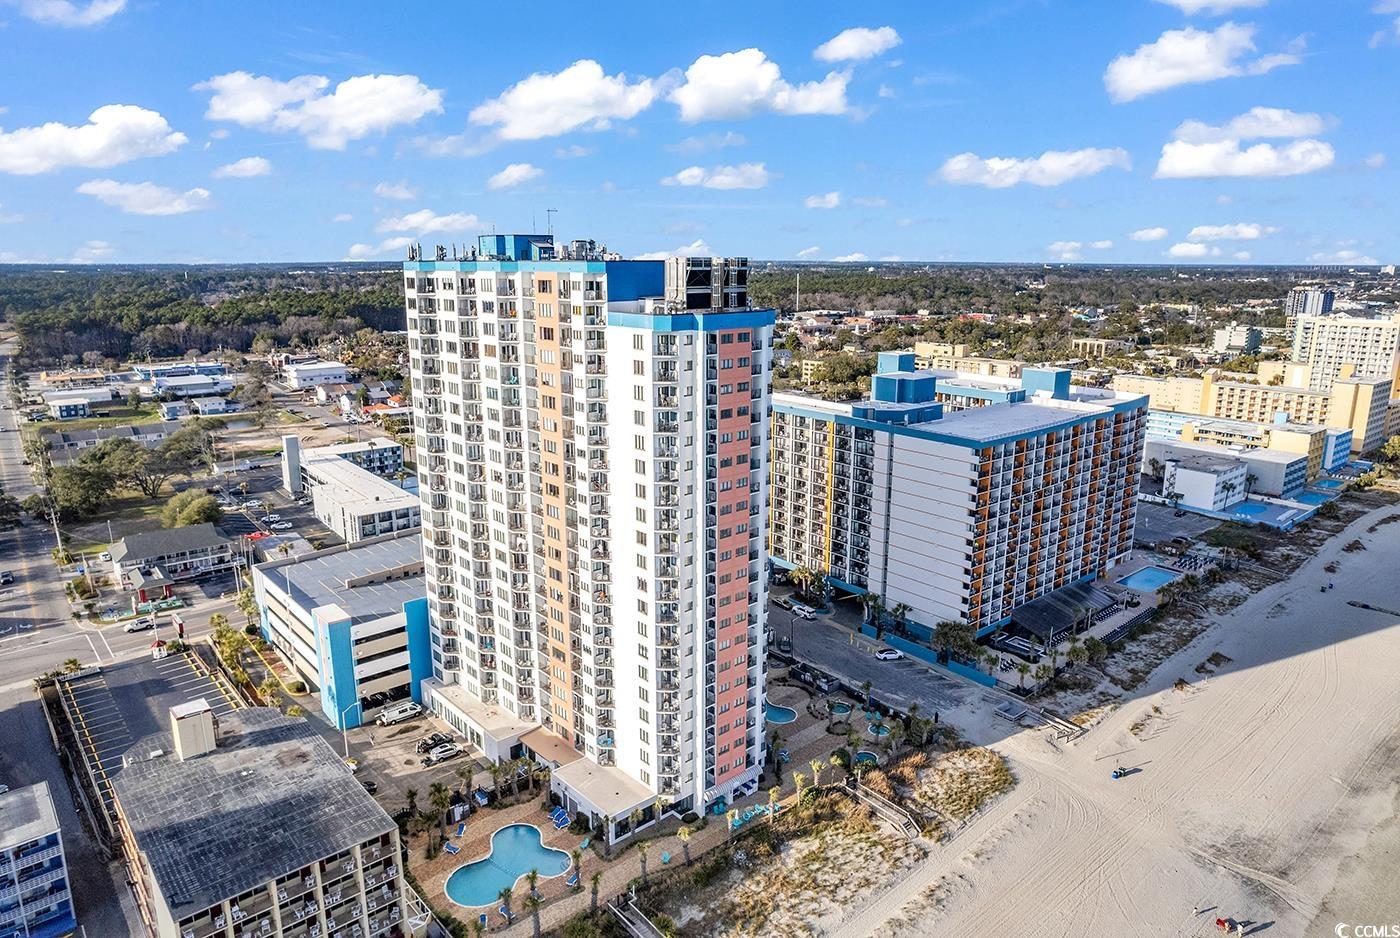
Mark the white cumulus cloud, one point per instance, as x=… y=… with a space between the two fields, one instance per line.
x=245 y=168
x=582 y=96
x=1182 y=160
x=426 y=221
x=1189 y=56
x=361 y=252
x=1103 y=245
x=1242 y=255
x=343 y=217
x=572 y=152
x=1375 y=161
x=850 y=258
x=1190 y=249
x=702 y=144
x=396 y=190
x=114 y=134
x=1216 y=7
x=742 y=176
x=740 y=84
x=1240 y=231
x=1065 y=250
x=1049 y=169
x=328 y=120
x=1348 y=256
x=1200 y=150
x=696 y=248
x=514 y=175
x=829 y=200
x=1255 y=123
x=68 y=12
x=1149 y=234
x=145 y=198
x=853 y=45
x=809 y=252
x=93 y=251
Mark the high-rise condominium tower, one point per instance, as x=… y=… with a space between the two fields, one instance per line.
x=591 y=434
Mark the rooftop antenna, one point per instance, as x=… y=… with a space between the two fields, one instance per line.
x=549 y=219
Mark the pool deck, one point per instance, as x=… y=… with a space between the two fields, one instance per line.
x=806 y=738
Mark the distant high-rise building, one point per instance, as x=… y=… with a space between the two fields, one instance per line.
x=1308 y=301
x=1345 y=346
x=962 y=498
x=1236 y=339
x=591 y=434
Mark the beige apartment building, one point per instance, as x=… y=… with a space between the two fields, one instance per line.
x=954 y=356
x=1360 y=404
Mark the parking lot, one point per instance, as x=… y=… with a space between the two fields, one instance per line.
x=839 y=651
x=1157 y=524
x=385 y=757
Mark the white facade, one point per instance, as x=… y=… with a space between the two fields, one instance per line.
x=583 y=453
x=1203 y=481
x=313 y=374
x=1236 y=339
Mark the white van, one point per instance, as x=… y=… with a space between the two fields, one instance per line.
x=398 y=713
x=803 y=611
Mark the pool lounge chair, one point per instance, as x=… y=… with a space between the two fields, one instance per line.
x=583 y=844
x=482 y=919
x=665 y=858
x=481 y=797
x=562 y=823
x=572 y=881
x=461 y=829
x=452 y=848
x=505 y=913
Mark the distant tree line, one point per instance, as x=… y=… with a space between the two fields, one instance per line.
x=133 y=313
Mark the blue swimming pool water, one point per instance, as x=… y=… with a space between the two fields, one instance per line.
x=840 y=709
x=515 y=851
x=879 y=729
x=1313 y=498
x=776 y=714
x=1328 y=483
x=1149 y=579
x=1250 y=508
x=865 y=755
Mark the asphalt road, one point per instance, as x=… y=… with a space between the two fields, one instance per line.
x=826 y=644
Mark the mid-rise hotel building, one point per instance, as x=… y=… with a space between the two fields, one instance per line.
x=959 y=500
x=591 y=434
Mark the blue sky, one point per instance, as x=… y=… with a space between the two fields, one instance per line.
x=1194 y=131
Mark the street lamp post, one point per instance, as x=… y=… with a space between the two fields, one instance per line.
x=345 y=729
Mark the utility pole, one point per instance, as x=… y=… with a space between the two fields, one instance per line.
x=797 y=307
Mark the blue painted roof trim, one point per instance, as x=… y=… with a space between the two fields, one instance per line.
x=694 y=322
x=919 y=431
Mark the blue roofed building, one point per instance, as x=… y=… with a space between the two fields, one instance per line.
x=35 y=901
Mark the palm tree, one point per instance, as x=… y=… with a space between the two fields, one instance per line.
x=477 y=927
x=532 y=878
x=72 y=665
x=1044 y=673
x=1023 y=669
x=684 y=834
x=464 y=774
x=865 y=689
x=875 y=613
x=1155 y=465
x=495 y=770
x=732 y=816
x=773 y=794
x=799 y=781
x=576 y=858
x=412 y=797
x=505 y=895
x=634 y=819
x=532 y=905
x=899 y=612
x=642 y=855
x=593 y=884
x=606 y=823
x=440 y=796
x=661 y=804
x=816 y=766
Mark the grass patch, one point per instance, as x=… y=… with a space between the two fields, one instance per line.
x=114 y=417
x=960 y=782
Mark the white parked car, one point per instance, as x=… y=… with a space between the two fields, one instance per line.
x=140 y=625
x=281 y=526
x=803 y=611
x=270 y=519
x=251 y=503
x=105 y=555
x=889 y=654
